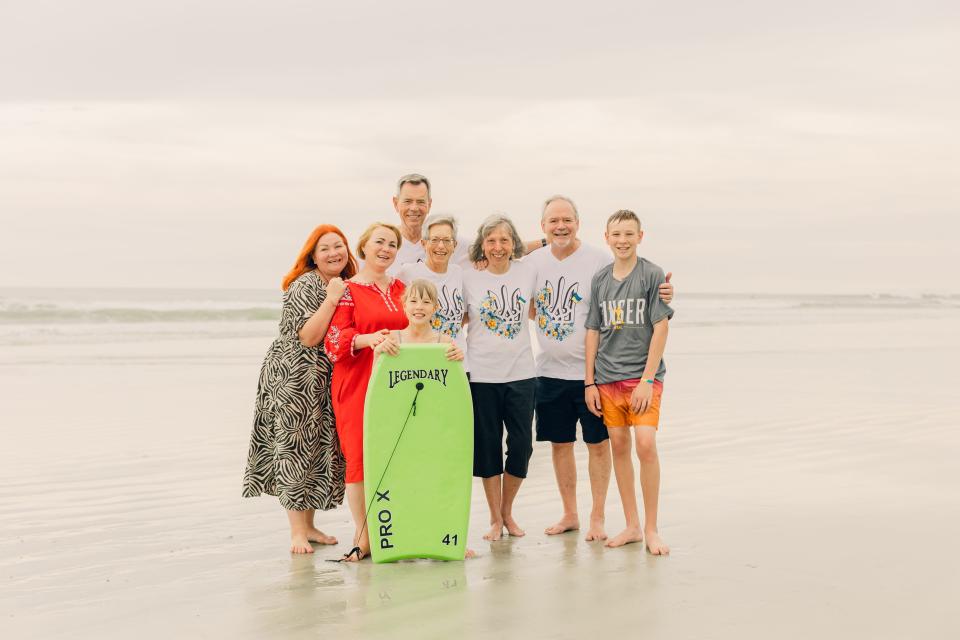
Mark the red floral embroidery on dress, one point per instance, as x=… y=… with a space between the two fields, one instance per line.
x=364 y=309
x=384 y=295
x=333 y=335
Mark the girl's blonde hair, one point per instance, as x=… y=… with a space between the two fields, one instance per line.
x=423 y=289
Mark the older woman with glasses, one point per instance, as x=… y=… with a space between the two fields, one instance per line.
x=440 y=244
x=502 y=370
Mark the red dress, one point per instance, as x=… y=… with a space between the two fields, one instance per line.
x=364 y=308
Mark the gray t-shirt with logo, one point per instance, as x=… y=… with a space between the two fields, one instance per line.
x=624 y=312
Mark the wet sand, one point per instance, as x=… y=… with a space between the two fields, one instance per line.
x=810 y=489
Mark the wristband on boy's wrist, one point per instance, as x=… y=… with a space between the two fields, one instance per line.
x=647 y=380
x=592 y=384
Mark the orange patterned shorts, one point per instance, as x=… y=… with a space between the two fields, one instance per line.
x=615 y=404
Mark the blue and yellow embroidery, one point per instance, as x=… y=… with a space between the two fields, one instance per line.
x=448 y=319
x=502 y=315
x=556 y=309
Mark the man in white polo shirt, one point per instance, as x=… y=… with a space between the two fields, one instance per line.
x=561 y=301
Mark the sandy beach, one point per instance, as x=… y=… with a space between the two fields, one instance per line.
x=810 y=489
x=794 y=166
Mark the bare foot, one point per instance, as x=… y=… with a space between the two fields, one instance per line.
x=469 y=554
x=628 y=535
x=596 y=532
x=495 y=533
x=655 y=544
x=315 y=535
x=566 y=523
x=299 y=543
x=512 y=527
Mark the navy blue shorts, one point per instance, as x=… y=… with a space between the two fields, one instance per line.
x=560 y=405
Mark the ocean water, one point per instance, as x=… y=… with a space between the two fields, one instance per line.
x=90 y=316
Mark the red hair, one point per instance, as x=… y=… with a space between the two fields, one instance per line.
x=306 y=263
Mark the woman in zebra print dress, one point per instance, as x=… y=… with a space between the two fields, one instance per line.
x=294 y=452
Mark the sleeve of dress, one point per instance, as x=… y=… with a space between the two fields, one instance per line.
x=338 y=342
x=301 y=303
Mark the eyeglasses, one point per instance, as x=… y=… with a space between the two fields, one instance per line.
x=444 y=241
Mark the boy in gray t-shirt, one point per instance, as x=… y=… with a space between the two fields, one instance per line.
x=626 y=335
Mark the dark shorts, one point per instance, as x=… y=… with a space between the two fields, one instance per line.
x=497 y=405
x=560 y=405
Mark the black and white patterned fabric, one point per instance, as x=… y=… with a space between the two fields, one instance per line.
x=294 y=451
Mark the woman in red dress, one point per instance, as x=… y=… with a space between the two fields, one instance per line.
x=369 y=309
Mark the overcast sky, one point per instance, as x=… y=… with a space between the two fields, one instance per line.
x=767 y=146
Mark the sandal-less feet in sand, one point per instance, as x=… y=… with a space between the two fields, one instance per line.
x=596 y=532
x=315 y=535
x=300 y=544
x=512 y=527
x=655 y=543
x=495 y=533
x=565 y=524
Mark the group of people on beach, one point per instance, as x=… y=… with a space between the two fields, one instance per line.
x=601 y=323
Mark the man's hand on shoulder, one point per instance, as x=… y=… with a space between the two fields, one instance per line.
x=666 y=290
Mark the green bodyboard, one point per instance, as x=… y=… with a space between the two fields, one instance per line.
x=418 y=463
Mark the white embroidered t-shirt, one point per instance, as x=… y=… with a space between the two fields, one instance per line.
x=448 y=318
x=562 y=301
x=498 y=335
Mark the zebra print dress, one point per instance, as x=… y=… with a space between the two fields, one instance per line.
x=294 y=452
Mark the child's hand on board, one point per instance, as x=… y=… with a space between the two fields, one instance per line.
x=388 y=345
x=454 y=352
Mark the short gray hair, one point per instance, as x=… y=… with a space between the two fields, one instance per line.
x=414 y=179
x=486 y=228
x=438 y=218
x=554 y=198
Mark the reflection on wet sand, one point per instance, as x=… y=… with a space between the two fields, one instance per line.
x=776 y=503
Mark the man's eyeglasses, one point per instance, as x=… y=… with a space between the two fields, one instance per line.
x=447 y=242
